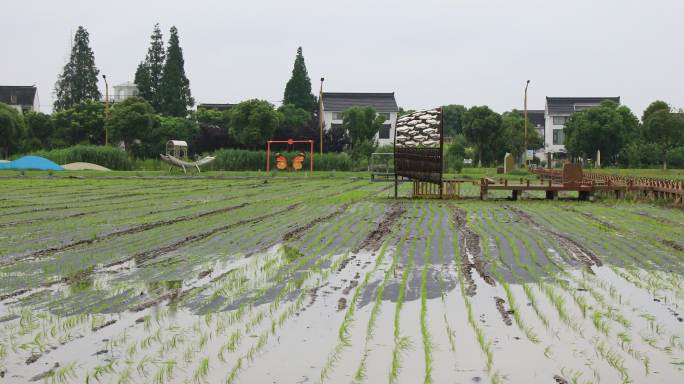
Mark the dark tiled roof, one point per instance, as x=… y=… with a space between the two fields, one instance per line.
x=339 y=101
x=536 y=117
x=566 y=105
x=17 y=95
x=220 y=107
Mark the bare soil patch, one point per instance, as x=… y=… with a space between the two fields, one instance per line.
x=471 y=254
x=375 y=238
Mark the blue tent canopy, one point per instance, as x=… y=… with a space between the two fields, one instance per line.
x=32 y=162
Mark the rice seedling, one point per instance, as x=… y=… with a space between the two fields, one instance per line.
x=202 y=371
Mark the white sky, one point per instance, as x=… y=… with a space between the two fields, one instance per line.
x=429 y=52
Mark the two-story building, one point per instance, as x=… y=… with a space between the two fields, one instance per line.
x=22 y=97
x=558 y=111
x=335 y=103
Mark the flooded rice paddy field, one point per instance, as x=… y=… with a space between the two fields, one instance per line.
x=329 y=280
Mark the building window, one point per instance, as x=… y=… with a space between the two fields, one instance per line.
x=386 y=115
x=558 y=137
x=338 y=115
x=384 y=131
x=560 y=120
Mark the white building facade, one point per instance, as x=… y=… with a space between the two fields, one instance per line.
x=123 y=91
x=557 y=112
x=335 y=103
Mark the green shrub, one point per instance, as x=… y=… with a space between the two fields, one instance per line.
x=675 y=157
x=109 y=157
x=244 y=160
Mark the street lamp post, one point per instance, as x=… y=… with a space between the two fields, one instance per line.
x=106 y=108
x=525 y=153
x=320 y=113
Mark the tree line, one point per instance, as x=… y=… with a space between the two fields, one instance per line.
x=162 y=111
x=624 y=140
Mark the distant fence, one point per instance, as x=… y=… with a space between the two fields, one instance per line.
x=623 y=186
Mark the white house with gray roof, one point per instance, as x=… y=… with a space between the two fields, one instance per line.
x=335 y=103
x=558 y=111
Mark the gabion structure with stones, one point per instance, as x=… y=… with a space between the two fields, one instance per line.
x=419 y=129
x=418 y=147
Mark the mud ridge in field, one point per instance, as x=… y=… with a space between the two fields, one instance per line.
x=31 y=221
x=505 y=313
x=471 y=254
x=374 y=240
x=128 y=231
x=154 y=253
x=299 y=231
x=660 y=219
x=579 y=252
x=673 y=245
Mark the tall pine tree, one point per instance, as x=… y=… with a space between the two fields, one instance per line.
x=175 y=87
x=149 y=73
x=298 y=88
x=78 y=81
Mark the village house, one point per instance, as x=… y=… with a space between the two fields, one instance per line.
x=22 y=97
x=335 y=103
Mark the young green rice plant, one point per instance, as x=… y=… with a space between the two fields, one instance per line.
x=202 y=371
x=529 y=333
x=360 y=374
x=64 y=374
x=165 y=372
x=401 y=343
x=343 y=332
x=102 y=370
x=230 y=346
x=599 y=323
x=299 y=302
x=125 y=376
x=427 y=344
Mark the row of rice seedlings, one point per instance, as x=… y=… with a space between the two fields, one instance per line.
x=289 y=287
x=236 y=337
x=485 y=345
x=612 y=314
x=599 y=322
x=249 y=276
x=427 y=343
x=146 y=234
x=343 y=331
x=239 y=365
x=129 y=214
x=360 y=374
x=527 y=330
x=670 y=253
x=402 y=343
x=451 y=333
x=597 y=316
x=616 y=243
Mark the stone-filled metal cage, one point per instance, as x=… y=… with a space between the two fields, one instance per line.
x=418 y=141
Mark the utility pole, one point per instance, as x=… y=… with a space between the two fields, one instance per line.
x=320 y=113
x=525 y=150
x=106 y=109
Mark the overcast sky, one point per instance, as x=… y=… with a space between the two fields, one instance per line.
x=428 y=52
